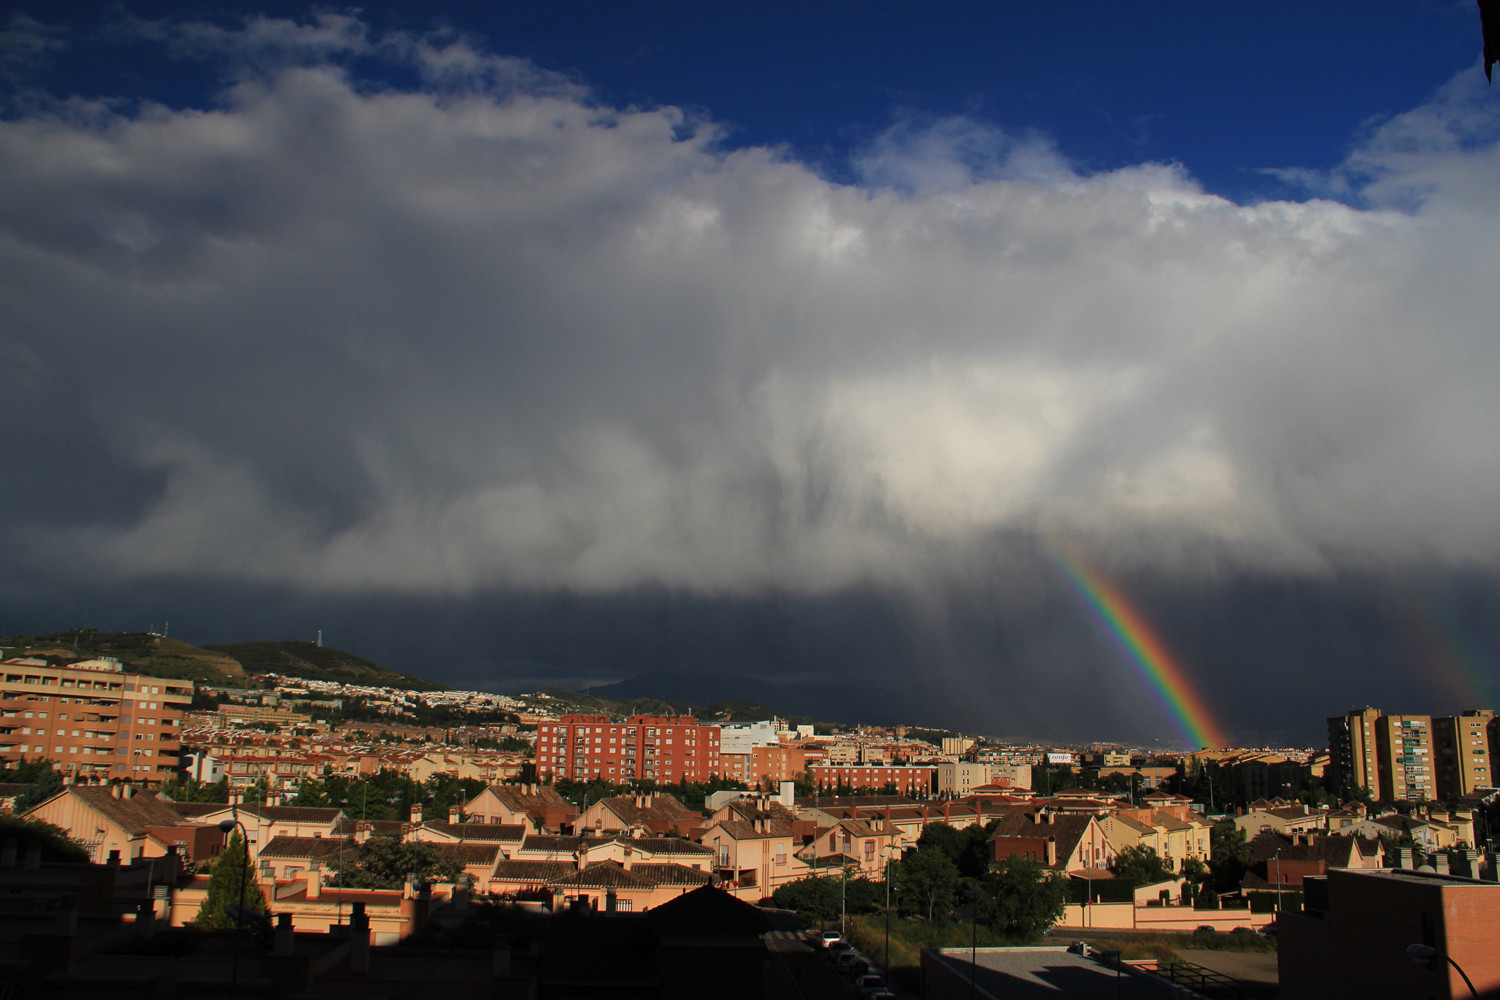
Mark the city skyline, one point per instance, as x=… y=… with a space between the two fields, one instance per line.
x=1037 y=370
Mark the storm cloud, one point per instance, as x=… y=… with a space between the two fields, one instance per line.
x=480 y=332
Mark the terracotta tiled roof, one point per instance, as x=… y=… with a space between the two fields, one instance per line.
x=670 y=873
x=310 y=848
x=469 y=854
x=538 y=843
x=532 y=872
x=294 y=814
x=141 y=810
x=604 y=875
x=658 y=809
x=517 y=799
x=487 y=832
x=661 y=845
x=1066 y=829
x=749 y=809
x=741 y=829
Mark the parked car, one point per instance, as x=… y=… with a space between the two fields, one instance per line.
x=829 y=938
x=848 y=961
x=1205 y=930
x=869 y=984
x=839 y=949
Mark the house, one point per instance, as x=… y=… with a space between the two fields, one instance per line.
x=864 y=844
x=1279 y=864
x=539 y=805
x=126 y=822
x=1059 y=841
x=656 y=813
x=754 y=855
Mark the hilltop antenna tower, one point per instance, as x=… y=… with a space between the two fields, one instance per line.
x=320 y=638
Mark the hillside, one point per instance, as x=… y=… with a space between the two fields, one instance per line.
x=308 y=659
x=160 y=656
x=719 y=711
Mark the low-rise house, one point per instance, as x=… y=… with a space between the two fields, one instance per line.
x=1061 y=842
x=540 y=805
x=863 y=844
x=653 y=813
x=126 y=822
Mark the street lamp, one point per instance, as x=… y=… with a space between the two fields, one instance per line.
x=227 y=826
x=1425 y=954
x=889 y=850
x=973 y=895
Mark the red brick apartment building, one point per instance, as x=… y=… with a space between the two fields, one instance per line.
x=908 y=779
x=92 y=718
x=664 y=748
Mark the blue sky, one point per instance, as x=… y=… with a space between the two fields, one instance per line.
x=767 y=349
x=1227 y=90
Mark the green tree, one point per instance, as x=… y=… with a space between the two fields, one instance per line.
x=928 y=880
x=1140 y=865
x=1229 y=855
x=224 y=884
x=385 y=862
x=43 y=779
x=815 y=896
x=1020 y=897
x=193 y=790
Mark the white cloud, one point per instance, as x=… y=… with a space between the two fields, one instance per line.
x=494 y=333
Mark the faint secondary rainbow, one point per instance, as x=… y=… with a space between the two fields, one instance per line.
x=1144 y=648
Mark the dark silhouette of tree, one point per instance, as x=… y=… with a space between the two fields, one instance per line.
x=1020 y=897
x=385 y=862
x=55 y=843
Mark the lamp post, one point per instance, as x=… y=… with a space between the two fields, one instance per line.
x=973 y=895
x=889 y=849
x=843 y=895
x=1278 y=879
x=227 y=826
x=1426 y=954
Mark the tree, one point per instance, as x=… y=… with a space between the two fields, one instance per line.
x=1229 y=855
x=385 y=862
x=1020 y=897
x=1140 y=865
x=224 y=884
x=813 y=896
x=54 y=842
x=928 y=880
x=43 y=780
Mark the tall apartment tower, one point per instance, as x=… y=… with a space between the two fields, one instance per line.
x=665 y=748
x=1461 y=744
x=1352 y=751
x=1408 y=769
x=92 y=718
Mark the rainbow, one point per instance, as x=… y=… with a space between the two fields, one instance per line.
x=1145 y=649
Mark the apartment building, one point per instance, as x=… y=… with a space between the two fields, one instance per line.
x=1403 y=745
x=1462 y=751
x=906 y=779
x=1352 y=751
x=665 y=748
x=93 y=719
x=961 y=777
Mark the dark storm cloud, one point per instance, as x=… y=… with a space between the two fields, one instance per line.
x=482 y=337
